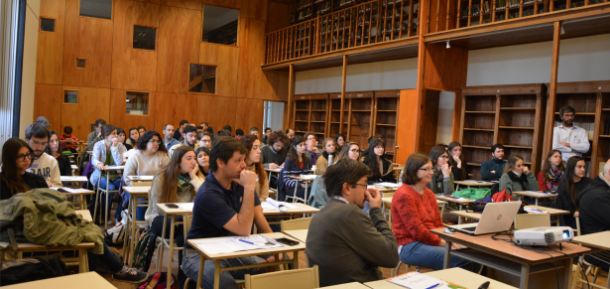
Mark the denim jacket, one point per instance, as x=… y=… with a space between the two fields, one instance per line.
x=99 y=156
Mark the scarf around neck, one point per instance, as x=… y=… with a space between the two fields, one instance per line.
x=184 y=184
x=522 y=179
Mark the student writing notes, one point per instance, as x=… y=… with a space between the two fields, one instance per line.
x=274 y=154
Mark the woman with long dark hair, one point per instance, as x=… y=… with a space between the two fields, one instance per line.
x=456 y=161
x=380 y=166
x=134 y=136
x=55 y=150
x=203 y=160
x=517 y=177
x=123 y=138
x=442 y=180
x=296 y=164
x=339 y=141
x=16 y=159
x=254 y=164
x=574 y=182
x=551 y=174
x=350 y=150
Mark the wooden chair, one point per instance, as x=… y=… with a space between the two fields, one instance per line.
x=295 y=279
x=81 y=260
x=526 y=221
x=296 y=224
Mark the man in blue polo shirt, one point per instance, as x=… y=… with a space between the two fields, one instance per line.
x=226 y=205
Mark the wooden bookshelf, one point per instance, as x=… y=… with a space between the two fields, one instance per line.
x=334 y=121
x=385 y=119
x=507 y=114
x=360 y=106
x=591 y=100
x=311 y=114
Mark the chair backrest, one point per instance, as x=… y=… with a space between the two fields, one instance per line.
x=577 y=226
x=188 y=220
x=293 y=279
x=526 y=221
x=296 y=224
x=388 y=195
x=141 y=184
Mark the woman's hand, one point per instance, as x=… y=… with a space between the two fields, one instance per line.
x=576 y=214
x=115 y=142
x=526 y=170
x=457 y=160
x=446 y=169
x=193 y=172
x=100 y=166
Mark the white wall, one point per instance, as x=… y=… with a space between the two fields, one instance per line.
x=30 y=50
x=385 y=75
x=580 y=59
x=273 y=116
x=446 y=105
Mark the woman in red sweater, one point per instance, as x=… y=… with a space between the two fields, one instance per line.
x=414 y=213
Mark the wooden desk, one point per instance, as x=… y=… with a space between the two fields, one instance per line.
x=300 y=209
x=595 y=240
x=90 y=280
x=306 y=180
x=275 y=251
x=518 y=262
x=83 y=261
x=353 y=285
x=477 y=216
x=454 y=275
x=129 y=242
x=73 y=179
x=300 y=235
x=107 y=169
x=535 y=195
x=171 y=213
x=472 y=183
x=140 y=178
x=73 y=193
x=459 y=201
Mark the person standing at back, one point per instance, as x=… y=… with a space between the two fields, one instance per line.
x=569 y=139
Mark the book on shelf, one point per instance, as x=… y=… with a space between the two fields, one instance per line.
x=514 y=3
x=476 y=9
x=500 y=17
x=485 y=6
x=485 y=21
x=464 y=13
x=512 y=15
x=528 y=12
x=474 y=22
x=501 y=4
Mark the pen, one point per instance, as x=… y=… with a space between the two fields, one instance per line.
x=433 y=286
x=246 y=241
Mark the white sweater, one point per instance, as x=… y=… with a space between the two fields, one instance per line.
x=153 y=198
x=48 y=168
x=140 y=165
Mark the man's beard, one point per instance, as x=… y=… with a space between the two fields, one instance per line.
x=568 y=122
x=36 y=155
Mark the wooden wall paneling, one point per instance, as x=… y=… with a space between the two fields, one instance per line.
x=119 y=117
x=225 y=57
x=430 y=121
x=457 y=116
x=280 y=12
x=445 y=69
x=188 y=4
x=254 y=9
x=48 y=100
x=51 y=44
x=252 y=82
x=178 y=43
x=249 y=113
x=91 y=39
x=172 y=107
x=552 y=95
x=408 y=120
x=93 y=103
x=288 y=119
x=278 y=80
x=217 y=111
x=234 y=4
x=133 y=68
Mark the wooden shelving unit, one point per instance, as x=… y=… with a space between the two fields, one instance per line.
x=508 y=114
x=591 y=100
x=360 y=106
x=334 y=121
x=311 y=114
x=385 y=120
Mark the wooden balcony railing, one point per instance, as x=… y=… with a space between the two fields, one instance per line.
x=371 y=22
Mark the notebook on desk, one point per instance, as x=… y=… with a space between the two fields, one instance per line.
x=496 y=217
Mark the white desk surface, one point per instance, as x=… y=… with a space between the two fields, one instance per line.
x=597 y=240
x=283 y=249
x=353 y=285
x=74 y=167
x=301 y=209
x=141 y=178
x=300 y=235
x=458 y=276
x=538 y=195
x=92 y=280
x=178 y=211
x=137 y=189
x=77 y=179
x=86 y=215
x=456 y=200
x=273 y=170
x=474 y=183
x=114 y=168
x=388 y=201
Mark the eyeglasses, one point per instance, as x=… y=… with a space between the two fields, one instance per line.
x=155 y=141
x=364 y=185
x=33 y=142
x=427 y=170
x=21 y=158
x=355 y=150
x=206 y=141
x=568 y=116
x=444 y=156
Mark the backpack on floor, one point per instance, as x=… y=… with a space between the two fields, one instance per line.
x=145 y=248
x=158 y=281
x=115 y=236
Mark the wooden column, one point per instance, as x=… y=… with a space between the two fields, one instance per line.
x=421 y=89
x=550 y=107
x=343 y=82
x=290 y=115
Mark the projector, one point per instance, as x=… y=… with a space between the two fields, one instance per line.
x=543 y=236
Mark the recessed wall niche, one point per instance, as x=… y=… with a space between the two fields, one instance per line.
x=220 y=25
x=96 y=8
x=47 y=25
x=137 y=103
x=144 y=37
x=202 y=78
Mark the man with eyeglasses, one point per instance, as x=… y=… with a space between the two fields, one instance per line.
x=44 y=165
x=204 y=139
x=341 y=228
x=569 y=139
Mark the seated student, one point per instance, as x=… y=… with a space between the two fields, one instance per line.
x=329 y=150
x=296 y=164
x=55 y=150
x=594 y=207
x=189 y=139
x=178 y=133
x=37 y=137
x=342 y=229
x=517 y=177
x=204 y=125
x=254 y=164
x=107 y=152
x=175 y=182
x=227 y=128
x=570 y=187
x=204 y=139
x=122 y=138
x=381 y=167
x=239 y=133
x=225 y=205
x=290 y=134
x=141 y=130
x=458 y=166
x=134 y=136
x=442 y=180
x=199 y=129
x=493 y=169
x=551 y=174
x=268 y=132
x=311 y=149
x=274 y=154
x=203 y=160
x=339 y=141
x=254 y=131
x=69 y=141
x=415 y=213
x=168 y=140
x=96 y=135
x=16 y=158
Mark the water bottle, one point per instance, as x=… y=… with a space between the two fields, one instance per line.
x=330 y=160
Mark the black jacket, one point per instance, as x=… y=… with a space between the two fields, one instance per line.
x=492 y=165
x=388 y=172
x=594 y=207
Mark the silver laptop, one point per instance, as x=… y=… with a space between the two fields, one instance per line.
x=496 y=217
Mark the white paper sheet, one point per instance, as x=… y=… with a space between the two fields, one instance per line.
x=186 y=206
x=387 y=185
x=273 y=204
x=233 y=244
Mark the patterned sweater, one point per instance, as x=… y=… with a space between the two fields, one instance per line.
x=413 y=216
